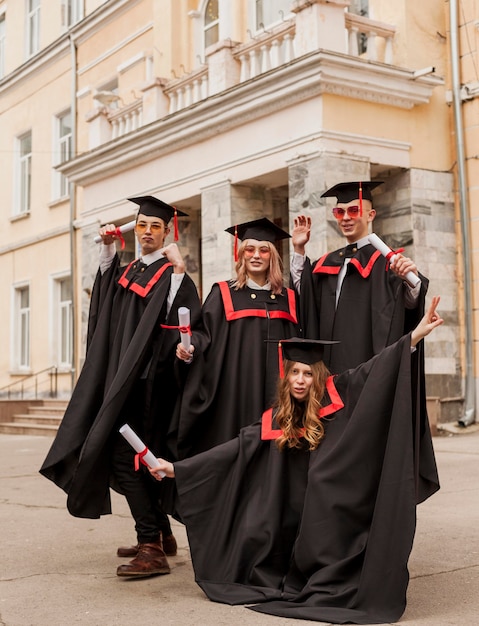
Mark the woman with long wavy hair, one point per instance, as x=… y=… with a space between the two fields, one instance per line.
x=234 y=368
x=310 y=513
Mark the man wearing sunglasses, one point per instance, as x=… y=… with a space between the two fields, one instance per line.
x=130 y=376
x=354 y=294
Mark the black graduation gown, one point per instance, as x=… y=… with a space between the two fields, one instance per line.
x=322 y=535
x=234 y=370
x=370 y=315
x=125 y=343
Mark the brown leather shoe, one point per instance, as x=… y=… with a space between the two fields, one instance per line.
x=170 y=548
x=150 y=561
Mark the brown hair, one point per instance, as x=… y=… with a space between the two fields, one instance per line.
x=275 y=270
x=297 y=419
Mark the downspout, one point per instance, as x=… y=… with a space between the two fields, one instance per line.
x=72 y=192
x=469 y=409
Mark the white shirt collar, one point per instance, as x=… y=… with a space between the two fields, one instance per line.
x=252 y=285
x=151 y=257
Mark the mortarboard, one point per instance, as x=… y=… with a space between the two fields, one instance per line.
x=151 y=206
x=262 y=229
x=347 y=192
x=301 y=350
x=307 y=351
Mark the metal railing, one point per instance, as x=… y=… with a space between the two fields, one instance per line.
x=33 y=386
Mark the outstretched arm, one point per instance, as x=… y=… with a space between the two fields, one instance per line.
x=429 y=322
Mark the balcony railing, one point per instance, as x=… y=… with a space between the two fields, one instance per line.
x=266 y=52
x=191 y=88
x=260 y=54
x=379 y=37
x=126 y=119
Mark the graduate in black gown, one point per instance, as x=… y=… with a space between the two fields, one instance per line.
x=311 y=512
x=234 y=370
x=130 y=375
x=354 y=283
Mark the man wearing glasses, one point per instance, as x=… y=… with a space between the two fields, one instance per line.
x=130 y=376
x=354 y=294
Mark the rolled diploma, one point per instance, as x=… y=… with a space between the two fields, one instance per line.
x=123 y=229
x=385 y=250
x=137 y=444
x=184 y=320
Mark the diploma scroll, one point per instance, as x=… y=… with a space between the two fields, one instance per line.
x=386 y=251
x=184 y=321
x=125 y=228
x=137 y=444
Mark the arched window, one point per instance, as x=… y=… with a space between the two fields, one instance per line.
x=211 y=23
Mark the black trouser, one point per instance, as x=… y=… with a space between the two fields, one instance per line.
x=139 y=487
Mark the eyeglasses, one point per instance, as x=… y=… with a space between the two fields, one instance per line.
x=250 y=251
x=142 y=227
x=352 y=211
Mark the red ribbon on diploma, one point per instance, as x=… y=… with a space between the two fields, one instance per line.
x=390 y=254
x=182 y=329
x=119 y=234
x=139 y=459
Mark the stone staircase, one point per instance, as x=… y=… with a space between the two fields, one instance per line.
x=42 y=417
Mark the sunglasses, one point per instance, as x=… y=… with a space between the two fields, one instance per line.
x=352 y=211
x=142 y=227
x=250 y=251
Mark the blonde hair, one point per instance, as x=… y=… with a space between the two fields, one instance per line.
x=274 y=274
x=300 y=420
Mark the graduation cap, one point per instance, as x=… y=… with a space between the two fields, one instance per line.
x=301 y=350
x=262 y=229
x=346 y=192
x=152 y=207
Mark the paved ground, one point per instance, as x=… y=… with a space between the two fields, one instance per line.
x=56 y=570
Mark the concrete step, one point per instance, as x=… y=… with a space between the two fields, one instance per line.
x=30 y=418
x=14 y=428
x=40 y=419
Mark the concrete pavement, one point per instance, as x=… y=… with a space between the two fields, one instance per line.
x=57 y=570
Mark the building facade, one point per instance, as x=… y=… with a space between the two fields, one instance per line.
x=231 y=110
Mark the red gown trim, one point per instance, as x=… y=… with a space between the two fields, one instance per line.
x=142 y=291
x=267 y=430
x=232 y=314
x=365 y=271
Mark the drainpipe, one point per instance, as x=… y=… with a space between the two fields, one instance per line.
x=72 y=192
x=469 y=410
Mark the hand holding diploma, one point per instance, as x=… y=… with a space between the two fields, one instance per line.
x=401 y=265
x=143 y=454
x=165 y=468
x=115 y=232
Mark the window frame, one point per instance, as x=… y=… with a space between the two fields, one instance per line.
x=21 y=339
x=62 y=152
x=32 y=30
x=23 y=179
x=61 y=322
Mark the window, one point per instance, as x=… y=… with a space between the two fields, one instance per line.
x=33 y=27
x=212 y=23
x=62 y=322
x=24 y=174
x=2 y=45
x=360 y=7
x=270 y=12
x=72 y=12
x=62 y=152
x=21 y=353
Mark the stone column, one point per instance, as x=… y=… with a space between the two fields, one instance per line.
x=222 y=206
x=416 y=212
x=308 y=179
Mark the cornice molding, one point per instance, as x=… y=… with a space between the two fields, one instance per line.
x=309 y=76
